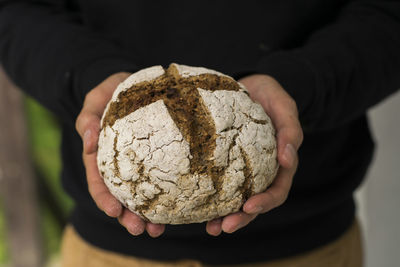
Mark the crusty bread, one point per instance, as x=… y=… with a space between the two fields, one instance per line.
x=185 y=145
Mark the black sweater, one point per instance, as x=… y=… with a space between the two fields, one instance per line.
x=336 y=58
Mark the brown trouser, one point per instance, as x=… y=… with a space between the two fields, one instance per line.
x=346 y=251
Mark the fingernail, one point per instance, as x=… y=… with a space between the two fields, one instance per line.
x=157 y=233
x=289 y=154
x=113 y=210
x=135 y=229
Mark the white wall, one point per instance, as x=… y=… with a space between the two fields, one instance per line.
x=379 y=197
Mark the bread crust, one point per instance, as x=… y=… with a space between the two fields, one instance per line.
x=185 y=145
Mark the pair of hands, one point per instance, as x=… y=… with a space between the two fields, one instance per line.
x=263 y=89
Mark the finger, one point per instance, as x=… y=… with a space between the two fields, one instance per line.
x=214 y=227
x=289 y=136
x=235 y=221
x=132 y=222
x=279 y=106
x=96 y=100
x=88 y=127
x=155 y=230
x=288 y=131
x=98 y=190
x=275 y=195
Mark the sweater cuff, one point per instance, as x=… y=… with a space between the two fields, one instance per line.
x=97 y=71
x=296 y=76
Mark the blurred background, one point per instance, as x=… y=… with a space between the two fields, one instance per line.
x=378 y=198
x=51 y=203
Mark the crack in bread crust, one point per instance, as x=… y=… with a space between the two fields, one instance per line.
x=164 y=87
x=246 y=188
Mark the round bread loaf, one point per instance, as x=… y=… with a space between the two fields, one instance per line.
x=185 y=145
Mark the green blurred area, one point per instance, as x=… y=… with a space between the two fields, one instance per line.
x=3 y=247
x=45 y=139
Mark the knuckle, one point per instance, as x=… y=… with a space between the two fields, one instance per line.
x=295 y=132
x=84 y=121
x=81 y=122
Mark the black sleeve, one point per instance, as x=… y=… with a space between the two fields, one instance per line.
x=48 y=53
x=345 y=67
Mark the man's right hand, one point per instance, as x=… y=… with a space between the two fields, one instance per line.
x=88 y=127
